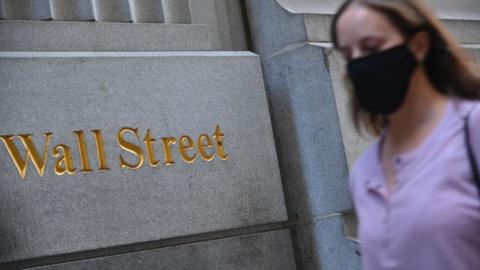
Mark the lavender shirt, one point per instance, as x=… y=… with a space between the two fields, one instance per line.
x=432 y=219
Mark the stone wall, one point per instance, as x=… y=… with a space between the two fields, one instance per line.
x=168 y=149
x=150 y=148
x=224 y=19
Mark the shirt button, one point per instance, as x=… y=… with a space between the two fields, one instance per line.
x=398 y=160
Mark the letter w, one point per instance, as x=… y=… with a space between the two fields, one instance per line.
x=31 y=152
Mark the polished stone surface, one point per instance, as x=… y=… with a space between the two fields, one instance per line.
x=111 y=11
x=101 y=36
x=224 y=21
x=306 y=123
x=263 y=251
x=72 y=10
x=272 y=28
x=328 y=248
x=171 y=93
x=26 y=9
x=146 y=11
x=177 y=11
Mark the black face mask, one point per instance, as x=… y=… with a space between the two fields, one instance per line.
x=381 y=80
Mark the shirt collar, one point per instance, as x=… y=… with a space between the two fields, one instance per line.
x=374 y=179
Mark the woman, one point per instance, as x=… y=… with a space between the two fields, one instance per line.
x=413 y=189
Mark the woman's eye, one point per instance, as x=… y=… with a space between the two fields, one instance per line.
x=371 y=45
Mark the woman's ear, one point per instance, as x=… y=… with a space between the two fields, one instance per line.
x=420 y=45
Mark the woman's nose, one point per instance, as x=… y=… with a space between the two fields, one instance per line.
x=356 y=53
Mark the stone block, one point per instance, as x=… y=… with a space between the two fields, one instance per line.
x=456 y=9
x=273 y=28
x=318 y=27
x=465 y=31
x=224 y=21
x=269 y=250
x=2 y=12
x=72 y=10
x=310 y=6
x=236 y=23
x=309 y=138
x=111 y=11
x=353 y=142
x=177 y=11
x=101 y=36
x=169 y=93
x=146 y=11
x=475 y=50
x=26 y=9
x=332 y=249
x=213 y=13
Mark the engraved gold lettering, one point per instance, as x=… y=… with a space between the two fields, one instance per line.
x=167 y=141
x=189 y=150
x=218 y=136
x=82 y=149
x=31 y=152
x=65 y=162
x=186 y=143
x=102 y=161
x=148 y=140
x=130 y=147
x=204 y=141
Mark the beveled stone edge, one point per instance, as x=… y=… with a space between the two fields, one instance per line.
x=143 y=246
x=182 y=37
x=124 y=54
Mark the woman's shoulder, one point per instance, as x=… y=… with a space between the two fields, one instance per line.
x=467 y=107
x=474 y=117
x=475 y=111
x=471 y=108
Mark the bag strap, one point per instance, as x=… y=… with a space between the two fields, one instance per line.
x=471 y=155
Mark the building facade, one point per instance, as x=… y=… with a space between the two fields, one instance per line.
x=179 y=134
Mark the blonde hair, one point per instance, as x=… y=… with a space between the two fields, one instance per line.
x=449 y=67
